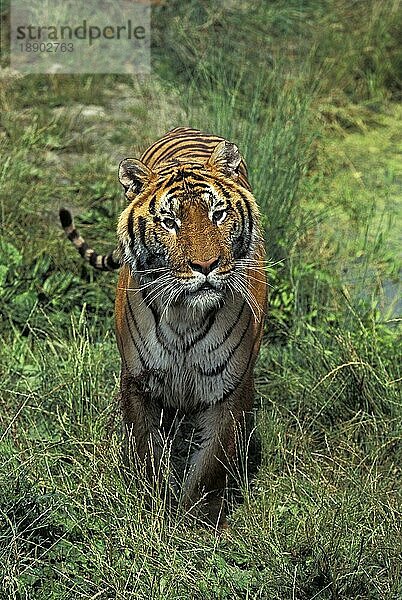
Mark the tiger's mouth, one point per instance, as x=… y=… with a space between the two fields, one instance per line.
x=205 y=288
x=207 y=285
x=207 y=294
x=172 y=287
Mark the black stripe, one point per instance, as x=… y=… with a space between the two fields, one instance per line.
x=130 y=227
x=172 y=176
x=66 y=218
x=239 y=207
x=150 y=153
x=201 y=335
x=167 y=168
x=218 y=369
x=92 y=259
x=249 y=212
x=190 y=134
x=239 y=381
x=197 y=140
x=199 y=187
x=111 y=262
x=175 y=129
x=227 y=193
x=142 y=339
x=158 y=332
x=165 y=185
x=83 y=248
x=174 y=189
x=179 y=141
x=166 y=343
x=160 y=336
x=179 y=188
x=243 y=240
x=162 y=340
x=142 y=361
x=155 y=315
x=194 y=136
x=182 y=174
x=230 y=329
x=151 y=207
x=73 y=235
x=200 y=178
x=199 y=151
x=141 y=228
x=123 y=354
x=188 y=130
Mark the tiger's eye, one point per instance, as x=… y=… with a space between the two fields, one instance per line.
x=170 y=223
x=218 y=216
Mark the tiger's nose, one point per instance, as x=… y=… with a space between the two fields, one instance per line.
x=205 y=267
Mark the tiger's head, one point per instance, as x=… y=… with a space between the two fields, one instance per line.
x=190 y=230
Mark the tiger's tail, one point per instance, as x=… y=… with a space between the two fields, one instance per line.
x=103 y=262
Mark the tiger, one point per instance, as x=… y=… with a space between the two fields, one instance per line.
x=190 y=304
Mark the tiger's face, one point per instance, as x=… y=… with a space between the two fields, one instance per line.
x=190 y=230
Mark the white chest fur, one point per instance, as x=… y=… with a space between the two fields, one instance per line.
x=190 y=359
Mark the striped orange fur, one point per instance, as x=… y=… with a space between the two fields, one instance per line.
x=189 y=307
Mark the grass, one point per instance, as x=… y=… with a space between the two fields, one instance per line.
x=313 y=105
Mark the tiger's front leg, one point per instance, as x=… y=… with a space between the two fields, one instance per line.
x=219 y=427
x=141 y=418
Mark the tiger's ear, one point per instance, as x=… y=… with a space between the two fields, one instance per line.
x=225 y=158
x=134 y=175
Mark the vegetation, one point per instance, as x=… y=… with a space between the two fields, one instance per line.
x=310 y=92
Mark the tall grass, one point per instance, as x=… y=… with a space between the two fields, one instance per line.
x=322 y=516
